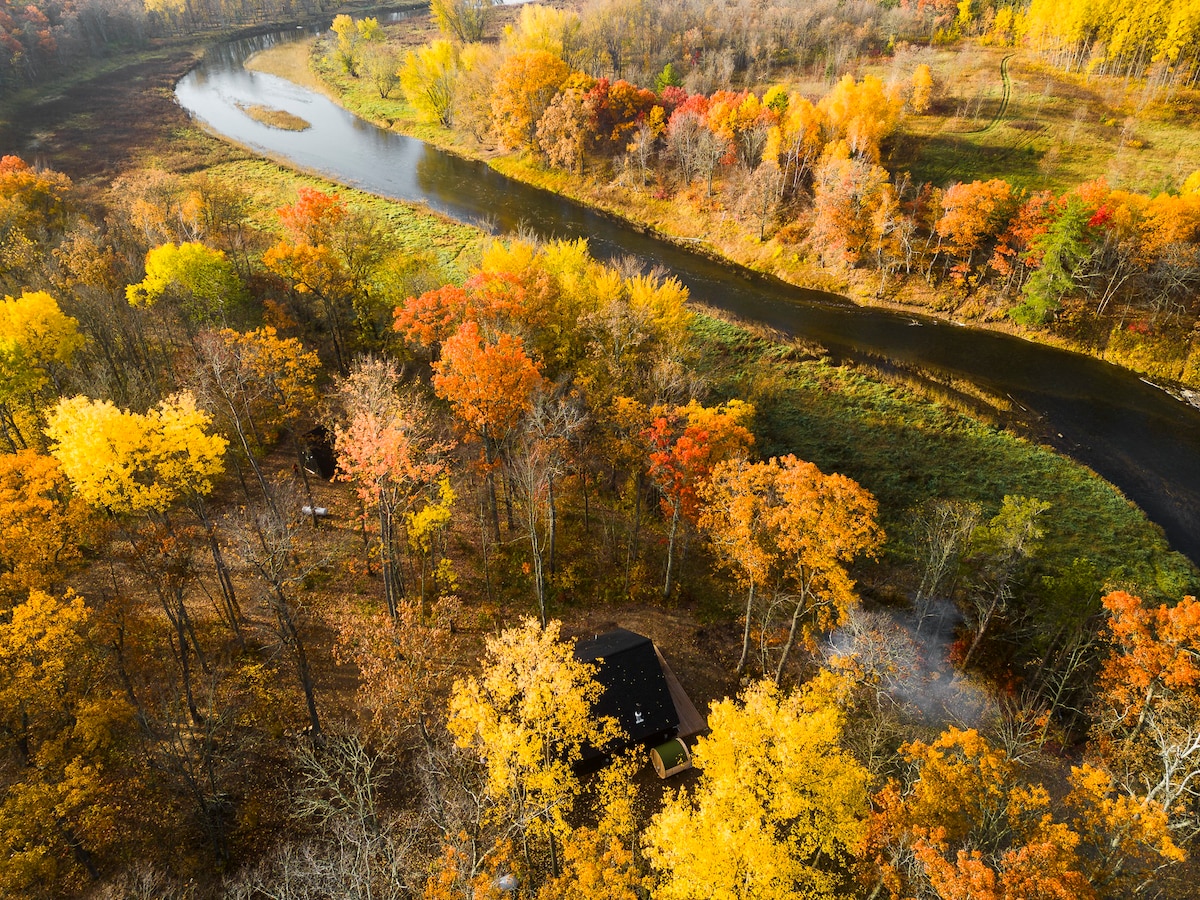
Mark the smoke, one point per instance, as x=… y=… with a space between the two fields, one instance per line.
x=912 y=664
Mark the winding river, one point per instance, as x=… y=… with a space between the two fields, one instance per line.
x=1137 y=436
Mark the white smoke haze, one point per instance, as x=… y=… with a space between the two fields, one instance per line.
x=912 y=666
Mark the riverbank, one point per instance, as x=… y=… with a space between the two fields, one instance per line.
x=1170 y=356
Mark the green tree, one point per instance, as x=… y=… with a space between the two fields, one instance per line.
x=1063 y=247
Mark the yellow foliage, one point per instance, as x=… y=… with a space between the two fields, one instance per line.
x=542 y=28
x=205 y=277
x=34 y=336
x=432 y=518
x=38 y=647
x=428 y=79
x=862 y=113
x=527 y=716
x=964 y=783
x=132 y=462
x=597 y=866
x=777 y=802
x=922 y=89
x=41 y=526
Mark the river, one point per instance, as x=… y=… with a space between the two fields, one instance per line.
x=1134 y=434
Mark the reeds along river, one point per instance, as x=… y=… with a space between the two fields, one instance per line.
x=1134 y=434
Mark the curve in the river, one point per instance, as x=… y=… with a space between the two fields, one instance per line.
x=1134 y=434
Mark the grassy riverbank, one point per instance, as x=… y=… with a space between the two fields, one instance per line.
x=1167 y=352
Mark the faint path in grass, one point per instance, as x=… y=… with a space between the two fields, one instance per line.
x=1004 y=98
x=999 y=151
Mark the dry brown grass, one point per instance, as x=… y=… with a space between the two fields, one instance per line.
x=274 y=118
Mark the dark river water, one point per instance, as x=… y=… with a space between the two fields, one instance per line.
x=1137 y=436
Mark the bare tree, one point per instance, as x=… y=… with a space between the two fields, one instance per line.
x=942 y=531
x=269 y=547
x=537 y=461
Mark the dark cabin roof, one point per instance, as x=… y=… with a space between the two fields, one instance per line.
x=635 y=692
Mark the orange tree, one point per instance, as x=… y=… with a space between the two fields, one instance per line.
x=490 y=384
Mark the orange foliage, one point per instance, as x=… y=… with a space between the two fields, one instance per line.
x=972 y=214
x=41 y=527
x=490 y=384
x=1155 y=650
x=687 y=442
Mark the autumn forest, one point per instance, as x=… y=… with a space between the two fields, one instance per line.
x=306 y=494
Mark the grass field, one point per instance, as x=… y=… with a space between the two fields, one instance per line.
x=1056 y=131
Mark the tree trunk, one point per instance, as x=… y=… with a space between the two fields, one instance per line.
x=746 y=631
x=553 y=524
x=232 y=610
x=984 y=620
x=392 y=586
x=671 y=551
x=287 y=625
x=791 y=638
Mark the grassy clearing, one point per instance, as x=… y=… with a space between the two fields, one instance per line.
x=907 y=448
x=1058 y=131
x=274 y=118
x=290 y=61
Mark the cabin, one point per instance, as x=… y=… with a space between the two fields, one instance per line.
x=640 y=691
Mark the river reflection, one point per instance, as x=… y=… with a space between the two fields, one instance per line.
x=1135 y=435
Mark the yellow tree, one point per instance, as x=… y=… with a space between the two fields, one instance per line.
x=527 y=717
x=140 y=464
x=525 y=85
x=545 y=28
x=779 y=806
x=202 y=278
x=135 y=463
x=351 y=34
x=863 y=114
x=37 y=340
x=60 y=727
x=922 y=87
x=796 y=141
x=428 y=80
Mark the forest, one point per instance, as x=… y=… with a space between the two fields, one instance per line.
x=305 y=494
